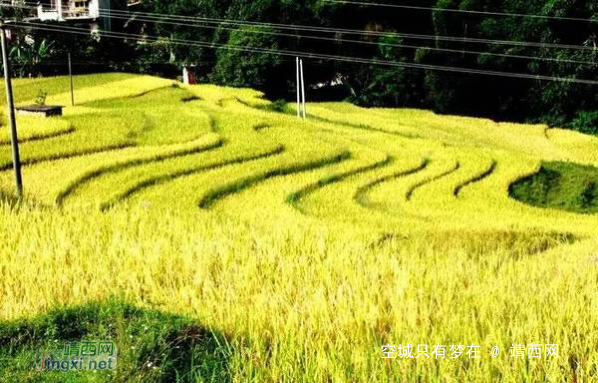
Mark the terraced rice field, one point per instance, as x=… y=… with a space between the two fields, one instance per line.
x=301 y=246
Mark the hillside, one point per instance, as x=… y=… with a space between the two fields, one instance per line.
x=301 y=246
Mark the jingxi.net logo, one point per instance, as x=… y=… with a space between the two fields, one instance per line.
x=80 y=356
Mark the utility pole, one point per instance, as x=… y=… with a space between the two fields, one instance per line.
x=71 y=78
x=16 y=159
x=303 y=89
x=298 y=90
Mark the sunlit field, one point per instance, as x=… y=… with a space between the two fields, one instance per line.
x=299 y=247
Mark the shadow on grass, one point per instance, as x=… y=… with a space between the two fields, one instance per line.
x=10 y=199
x=514 y=245
x=153 y=346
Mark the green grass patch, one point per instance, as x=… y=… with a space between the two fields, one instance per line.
x=560 y=185
x=153 y=346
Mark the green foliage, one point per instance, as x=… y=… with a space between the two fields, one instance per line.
x=28 y=54
x=163 y=50
x=280 y=106
x=382 y=85
x=240 y=68
x=586 y=122
x=152 y=346
x=553 y=102
x=40 y=99
x=588 y=195
x=560 y=185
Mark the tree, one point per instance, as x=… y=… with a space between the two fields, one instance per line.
x=28 y=54
x=377 y=85
x=515 y=99
x=167 y=52
x=238 y=67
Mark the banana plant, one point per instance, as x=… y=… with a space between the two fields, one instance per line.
x=27 y=55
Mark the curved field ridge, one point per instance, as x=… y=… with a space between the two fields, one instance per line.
x=154 y=181
x=361 y=195
x=33 y=136
x=261 y=126
x=64 y=156
x=217 y=194
x=480 y=177
x=368 y=128
x=120 y=165
x=119 y=89
x=418 y=185
x=40 y=137
x=346 y=124
x=295 y=198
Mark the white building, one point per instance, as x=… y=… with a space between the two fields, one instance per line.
x=94 y=12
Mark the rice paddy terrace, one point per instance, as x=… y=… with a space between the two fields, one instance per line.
x=308 y=243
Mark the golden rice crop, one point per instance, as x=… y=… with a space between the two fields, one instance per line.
x=310 y=244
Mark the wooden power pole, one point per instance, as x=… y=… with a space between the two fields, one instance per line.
x=298 y=89
x=16 y=159
x=304 y=109
x=71 y=80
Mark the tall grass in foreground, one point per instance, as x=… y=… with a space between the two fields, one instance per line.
x=309 y=303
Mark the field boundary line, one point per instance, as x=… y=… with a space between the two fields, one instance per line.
x=217 y=194
x=295 y=198
x=360 y=196
x=41 y=137
x=341 y=123
x=154 y=181
x=480 y=177
x=428 y=181
x=65 y=156
x=115 y=167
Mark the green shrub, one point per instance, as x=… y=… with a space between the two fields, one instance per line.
x=588 y=194
x=586 y=122
x=278 y=106
x=40 y=98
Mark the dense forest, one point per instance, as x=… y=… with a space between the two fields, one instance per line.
x=562 y=45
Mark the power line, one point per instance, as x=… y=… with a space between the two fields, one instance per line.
x=306 y=28
x=336 y=31
x=370 y=43
x=309 y=28
x=453 y=10
x=146 y=38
